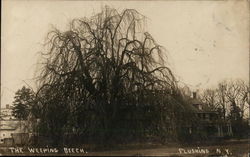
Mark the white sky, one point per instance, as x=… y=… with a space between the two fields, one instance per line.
x=207 y=41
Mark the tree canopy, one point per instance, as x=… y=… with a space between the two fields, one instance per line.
x=24 y=99
x=106 y=78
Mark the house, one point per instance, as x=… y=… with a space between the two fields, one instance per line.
x=209 y=123
x=6 y=113
x=12 y=130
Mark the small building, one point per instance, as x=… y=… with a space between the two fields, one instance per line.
x=12 y=131
x=6 y=113
x=6 y=132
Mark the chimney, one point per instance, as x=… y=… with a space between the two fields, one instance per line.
x=194 y=95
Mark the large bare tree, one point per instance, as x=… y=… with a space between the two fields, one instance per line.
x=102 y=72
x=228 y=94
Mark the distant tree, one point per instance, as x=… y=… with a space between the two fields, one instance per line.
x=221 y=98
x=23 y=100
x=185 y=91
x=237 y=94
x=230 y=98
x=209 y=97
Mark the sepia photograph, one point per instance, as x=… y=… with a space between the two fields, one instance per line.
x=125 y=78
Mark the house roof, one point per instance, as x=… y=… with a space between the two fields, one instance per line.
x=192 y=108
x=204 y=107
x=9 y=124
x=6 y=127
x=195 y=101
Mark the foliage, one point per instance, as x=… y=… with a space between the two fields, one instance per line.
x=231 y=100
x=106 y=79
x=24 y=99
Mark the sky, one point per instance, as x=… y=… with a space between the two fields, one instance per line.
x=206 y=41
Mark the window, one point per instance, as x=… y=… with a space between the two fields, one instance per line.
x=207 y=117
x=3 y=134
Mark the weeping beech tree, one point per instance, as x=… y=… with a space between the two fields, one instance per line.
x=105 y=78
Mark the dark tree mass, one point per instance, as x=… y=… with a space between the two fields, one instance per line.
x=105 y=80
x=24 y=99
